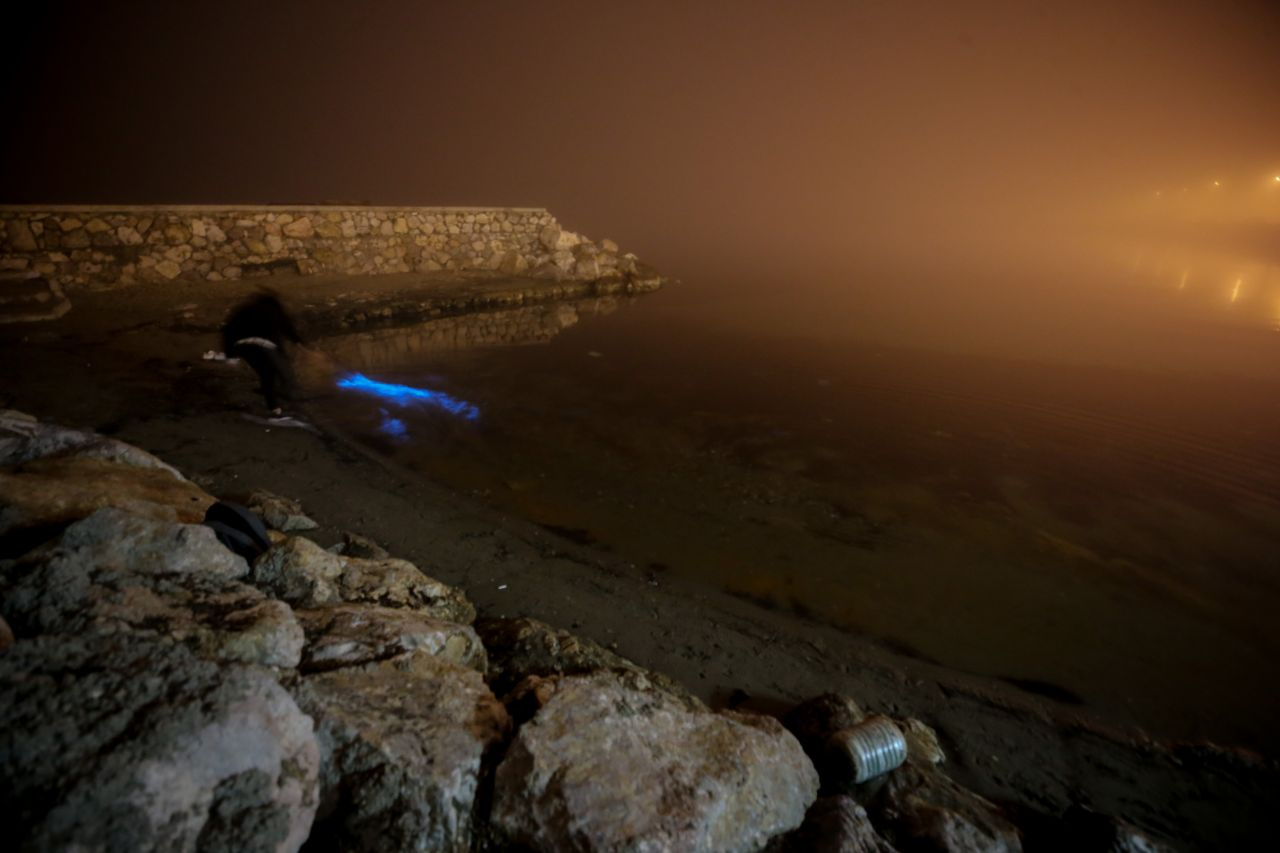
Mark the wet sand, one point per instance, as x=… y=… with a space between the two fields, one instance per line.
x=128 y=363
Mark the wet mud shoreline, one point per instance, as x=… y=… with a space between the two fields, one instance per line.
x=127 y=363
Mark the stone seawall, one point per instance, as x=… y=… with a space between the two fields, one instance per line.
x=101 y=246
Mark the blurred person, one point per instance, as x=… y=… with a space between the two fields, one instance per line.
x=261 y=333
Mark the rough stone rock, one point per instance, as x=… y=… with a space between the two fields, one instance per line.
x=834 y=825
x=587 y=268
x=519 y=648
x=279 y=512
x=922 y=742
x=564 y=261
x=20 y=237
x=300 y=228
x=60 y=490
x=402 y=744
x=120 y=742
x=815 y=720
x=169 y=268
x=77 y=239
x=350 y=634
x=118 y=571
x=306 y=575
x=549 y=237
x=609 y=246
x=23 y=438
x=513 y=263
x=921 y=807
x=355 y=545
x=567 y=240
x=608 y=763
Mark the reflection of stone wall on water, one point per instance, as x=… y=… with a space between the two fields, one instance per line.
x=529 y=324
x=101 y=246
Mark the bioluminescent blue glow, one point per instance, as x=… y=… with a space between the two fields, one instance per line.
x=393 y=427
x=407 y=395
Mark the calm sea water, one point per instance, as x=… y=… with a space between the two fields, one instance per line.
x=1069 y=482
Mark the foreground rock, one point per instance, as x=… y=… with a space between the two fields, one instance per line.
x=352 y=634
x=402 y=745
x=23 y=439
x=305 y=575
x=611 y=763
x=921 y=807
x=520 y=648
x=280 y=513
x=115 y=570
x=58 y=490
x=835 y=825
x=119 y=742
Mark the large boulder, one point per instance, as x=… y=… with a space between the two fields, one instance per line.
x=23 y=438
x=302 y=573
x=280 y=513
x=58 y=490
x=122 y=742
x=118 y=571
x=610 y=763
x=402 y=744
x=921 y=807
x=835 y=825
x=342 y=635
x=520 y=647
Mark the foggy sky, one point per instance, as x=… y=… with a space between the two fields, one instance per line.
x=695 y=134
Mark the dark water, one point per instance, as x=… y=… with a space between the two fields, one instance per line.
x=1072 y=483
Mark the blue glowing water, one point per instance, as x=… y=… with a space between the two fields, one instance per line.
x=407 y=395
x=393 y=427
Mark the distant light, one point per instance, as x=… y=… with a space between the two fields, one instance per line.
x=1217 y=183
x=407 y=395
x=1276 y=179
x=1235 y=291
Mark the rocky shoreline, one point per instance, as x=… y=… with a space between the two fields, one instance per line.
x=127 y=362
x=164 y=693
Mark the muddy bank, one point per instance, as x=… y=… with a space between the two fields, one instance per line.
x=128 y=363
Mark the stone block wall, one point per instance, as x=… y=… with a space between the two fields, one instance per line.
x=102 y=246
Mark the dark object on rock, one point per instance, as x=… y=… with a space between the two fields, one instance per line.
x=240 y=518
x=238 y=529
x=235 y=541
x=258 y=333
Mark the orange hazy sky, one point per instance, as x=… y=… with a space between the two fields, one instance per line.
x=688 y=131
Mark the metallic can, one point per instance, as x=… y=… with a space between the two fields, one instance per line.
x=871 y=748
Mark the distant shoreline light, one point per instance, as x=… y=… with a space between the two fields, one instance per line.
x=408 y=395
